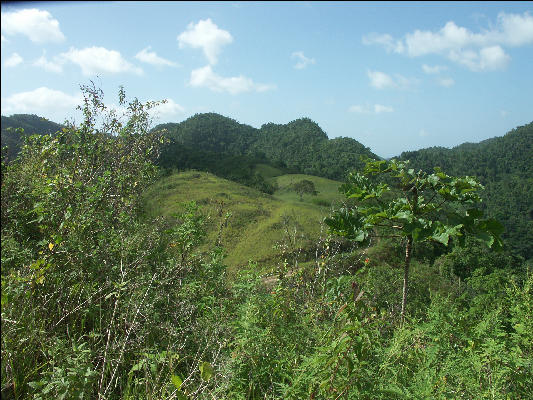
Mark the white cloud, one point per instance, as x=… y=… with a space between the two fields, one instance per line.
x=488 y=58
x=4 y=39
x=504 y=113
x=378 y=109
x=13 y=60
x=381 y=80
x=446 y=82
x=477 y=51
x=423 y=133
x=515 y=29
x=303 y=61
x=38 y=25
x=367 y=109
x=150 y=57
x=207 y=36
x=436 y=69
x=50 y=66
x=385 y=40
x=359 y=109
x=167 y=110
x=94 y=60
x=43 y=101
x=205 y=77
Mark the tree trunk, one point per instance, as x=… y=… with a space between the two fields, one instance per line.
x=408 y=248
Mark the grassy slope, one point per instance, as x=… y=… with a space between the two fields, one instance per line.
x=258 y=220
x=327 y=189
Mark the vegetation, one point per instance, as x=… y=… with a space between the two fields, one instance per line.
x=30 y=124
x=427 y=208
x=503 y=165
x=122 y=280
x=247 y=223
x=305 y=186
x=220 y=145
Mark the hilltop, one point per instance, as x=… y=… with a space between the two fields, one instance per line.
x=32 y=124
x=300 y=146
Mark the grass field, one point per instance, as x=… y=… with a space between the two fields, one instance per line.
x=328 y=190
x=259 y=223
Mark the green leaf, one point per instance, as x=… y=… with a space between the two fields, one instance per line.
x=137 y=366
x=36 y=385
x=176 y=381
x=206 y=371
x=443 y=238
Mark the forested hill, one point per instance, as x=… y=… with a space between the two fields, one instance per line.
x=300 y=146
x=32 y=124
x=504 y=166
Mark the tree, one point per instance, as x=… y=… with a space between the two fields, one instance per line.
x=423 y=207
x=304 y=186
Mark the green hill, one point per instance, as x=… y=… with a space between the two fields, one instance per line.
x=503 y=164
x=258 y=223
x=205 y=141
x=32 y=124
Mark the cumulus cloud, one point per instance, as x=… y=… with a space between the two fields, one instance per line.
x=207 y=36
x=167 y=110
x=13 y=60
x=150 y=57
x=50 y=66
x=381 y=80
x=488 y=58
x=43 y=101
x=205 y=77
x=477 y=51
x=367 y=109
x=303 y=61
x=38 y=25
x=94 y=60
x=436 y=69
x=385 y=40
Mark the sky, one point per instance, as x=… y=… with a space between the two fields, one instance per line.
x=394 y=76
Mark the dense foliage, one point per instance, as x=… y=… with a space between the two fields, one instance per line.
x=96 y=300
x=503 y=165
x=206 y=140
x=424 y=207
x=30 y=124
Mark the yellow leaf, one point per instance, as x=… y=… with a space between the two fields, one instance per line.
x=50 y=246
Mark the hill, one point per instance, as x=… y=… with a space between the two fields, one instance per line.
x=259 y=227
x=300 y=146
x=32 y=124
x=503 y=164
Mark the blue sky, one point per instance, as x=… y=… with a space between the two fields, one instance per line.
x=394 y=76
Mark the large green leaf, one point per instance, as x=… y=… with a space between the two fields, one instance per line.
x=206 y=371
x=176 y=381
